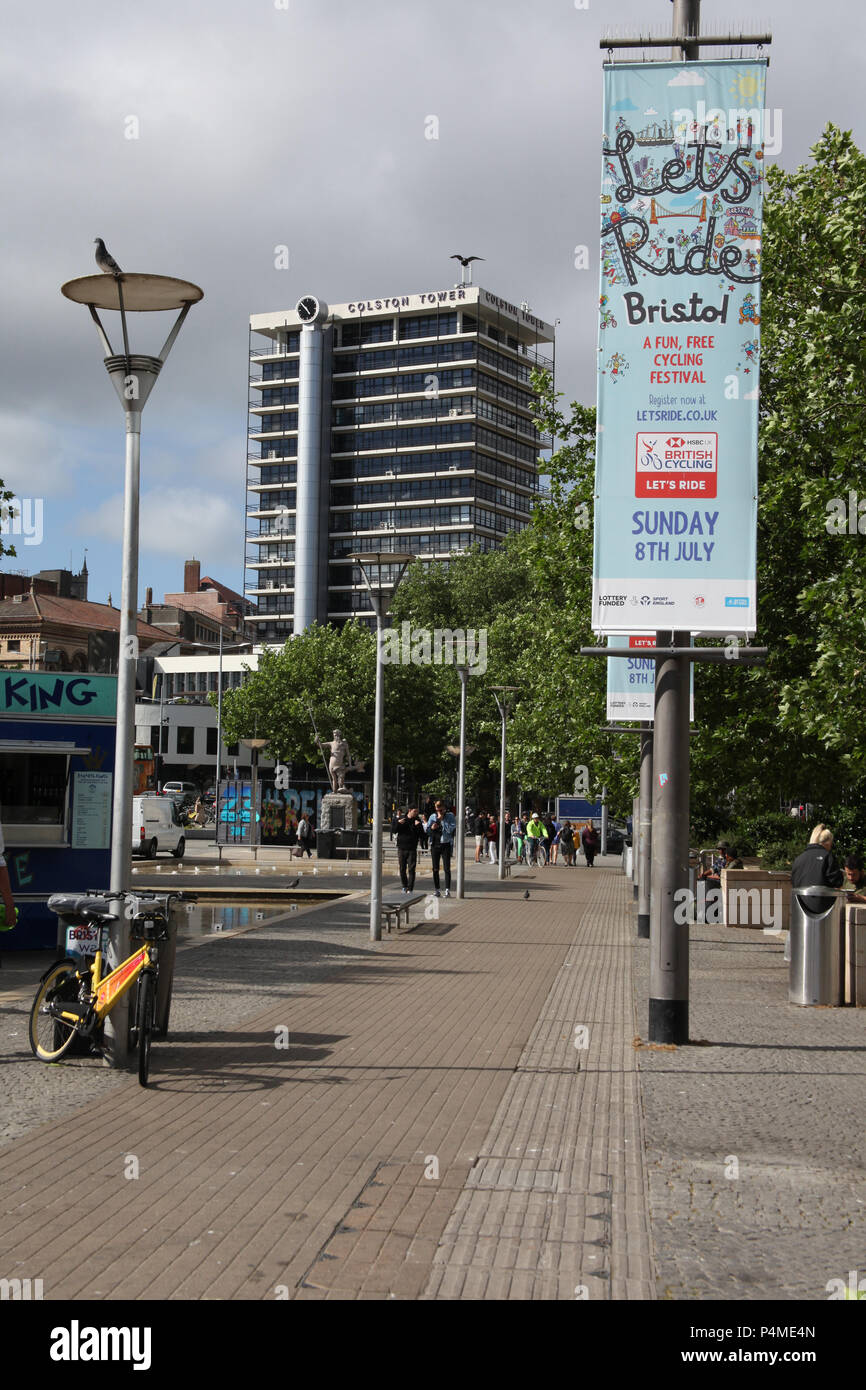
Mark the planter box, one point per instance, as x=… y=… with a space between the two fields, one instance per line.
x=756 y=898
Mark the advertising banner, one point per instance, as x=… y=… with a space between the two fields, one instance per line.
x=679 y=348
x=631 y=682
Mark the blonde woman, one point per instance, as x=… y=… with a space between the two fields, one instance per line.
x=816 y=867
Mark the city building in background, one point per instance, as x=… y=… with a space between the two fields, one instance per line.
x=43 y=631
x=389 y=424
x=204 y=609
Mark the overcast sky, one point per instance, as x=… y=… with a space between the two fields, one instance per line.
x=301 y=123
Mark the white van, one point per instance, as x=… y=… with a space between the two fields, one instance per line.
x=156 y=826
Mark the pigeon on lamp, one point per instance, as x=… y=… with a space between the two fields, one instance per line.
x=464 y=262
x=104 y=259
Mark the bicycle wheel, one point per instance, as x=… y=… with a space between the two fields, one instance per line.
x=144 y=1024
x=51 y=1037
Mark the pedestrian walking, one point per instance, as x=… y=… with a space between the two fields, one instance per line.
x=480 y=830
x=566 y=844
x=408 y=834
x=518 y=831
x=441 y=829
x=554 y=847
x=305 y=836
x=492 y=838
x=591 y=842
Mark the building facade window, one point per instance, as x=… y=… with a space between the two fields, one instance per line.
x=428 y=325
x=372 y=331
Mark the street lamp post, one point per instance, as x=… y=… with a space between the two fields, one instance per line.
x=382 y=571
x=504 y=707
x=463 y=673
x=133 y=376
x=255 y=746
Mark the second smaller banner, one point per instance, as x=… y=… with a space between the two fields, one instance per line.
x=631 y=681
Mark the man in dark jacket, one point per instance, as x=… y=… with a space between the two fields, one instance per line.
x=409 y=830
x=816 y=867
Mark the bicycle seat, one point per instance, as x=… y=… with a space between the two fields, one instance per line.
x=81 y=905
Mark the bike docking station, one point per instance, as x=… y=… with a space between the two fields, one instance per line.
x=76 y=997
x=133 y=376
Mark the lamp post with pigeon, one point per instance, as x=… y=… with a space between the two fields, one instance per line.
x=133 y=376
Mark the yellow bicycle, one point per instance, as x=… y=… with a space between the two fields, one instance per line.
x=73 y=1000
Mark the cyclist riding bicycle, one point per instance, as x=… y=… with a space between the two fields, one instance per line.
x=536 y=838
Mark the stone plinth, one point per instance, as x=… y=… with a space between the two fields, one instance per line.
x=339 y=811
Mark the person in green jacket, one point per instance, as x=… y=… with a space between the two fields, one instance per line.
x=536 y=838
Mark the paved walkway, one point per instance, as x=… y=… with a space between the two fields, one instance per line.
x=431 y=1130
x=460 y=1113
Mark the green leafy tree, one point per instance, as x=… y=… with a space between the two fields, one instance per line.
x=332 y=672
x=531 y=598
x=792 y=730
x=8 y=513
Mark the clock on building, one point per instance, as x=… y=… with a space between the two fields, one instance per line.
x=309 y=310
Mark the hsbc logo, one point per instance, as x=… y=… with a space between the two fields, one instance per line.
x=676 y=443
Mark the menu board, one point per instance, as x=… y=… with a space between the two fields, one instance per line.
x=91 y=810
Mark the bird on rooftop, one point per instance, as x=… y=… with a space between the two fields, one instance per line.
x=104 y=259
x=464 y=262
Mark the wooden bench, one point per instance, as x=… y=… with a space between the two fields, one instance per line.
x=394 y=907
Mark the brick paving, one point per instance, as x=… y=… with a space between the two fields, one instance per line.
x=301 y=1173
x=433 y=1132
x=756 y=1140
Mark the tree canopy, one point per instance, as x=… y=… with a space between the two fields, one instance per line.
x=791 y=729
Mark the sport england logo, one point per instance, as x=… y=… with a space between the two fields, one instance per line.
x=675 y=465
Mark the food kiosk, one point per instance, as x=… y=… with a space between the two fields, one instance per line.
x=57 y=742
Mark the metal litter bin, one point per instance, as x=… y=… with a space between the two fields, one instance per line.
x=326 y=842
x=816 y=974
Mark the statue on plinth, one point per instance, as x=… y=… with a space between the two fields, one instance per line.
x=339 y=762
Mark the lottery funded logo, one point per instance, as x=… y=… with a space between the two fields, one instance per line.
x=675 y=465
